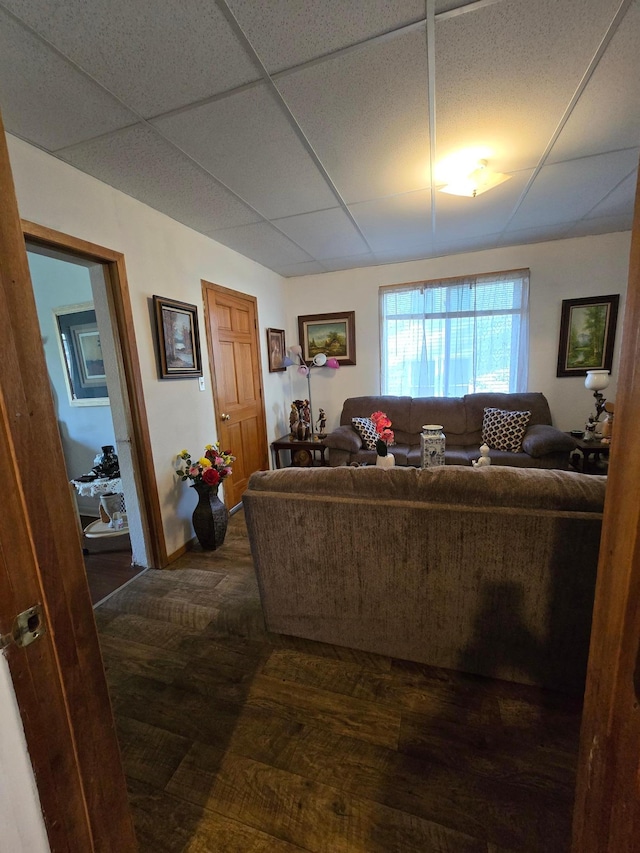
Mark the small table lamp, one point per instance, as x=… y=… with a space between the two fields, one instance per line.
x=597 y=381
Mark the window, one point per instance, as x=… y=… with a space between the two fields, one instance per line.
x=455 y=336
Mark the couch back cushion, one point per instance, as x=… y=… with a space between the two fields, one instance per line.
x=448 y=411
x=529 y=401
x=398 y=409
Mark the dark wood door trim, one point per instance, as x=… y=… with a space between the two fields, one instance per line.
x=59 y=680
x=236 y=294
x=607 y=805
x=120 y=302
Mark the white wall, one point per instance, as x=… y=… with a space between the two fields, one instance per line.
x=21 y=822
x=83 y=429
x=165 y=258
x=562 y=269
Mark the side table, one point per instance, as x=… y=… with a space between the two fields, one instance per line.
x=303 y=453
x=592 y=452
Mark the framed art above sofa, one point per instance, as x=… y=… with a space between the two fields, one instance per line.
x=587 y=334
x=331 y=334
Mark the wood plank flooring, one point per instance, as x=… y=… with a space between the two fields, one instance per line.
x=237 y=740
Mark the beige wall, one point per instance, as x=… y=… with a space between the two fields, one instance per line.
x=562 y=269
x=165 y=258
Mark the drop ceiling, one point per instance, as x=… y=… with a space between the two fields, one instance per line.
x=305 y=133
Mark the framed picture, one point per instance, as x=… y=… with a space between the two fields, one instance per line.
x=332 y=334
x=178 y=338
x=276 y=349
x=81 y=354
x=587 y=334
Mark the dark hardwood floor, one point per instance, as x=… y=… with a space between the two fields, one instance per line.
x=107 y=570
x=234 y=739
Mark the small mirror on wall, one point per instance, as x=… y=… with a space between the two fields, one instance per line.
x=81 y=354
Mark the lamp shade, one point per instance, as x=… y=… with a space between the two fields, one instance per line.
x=597 y=380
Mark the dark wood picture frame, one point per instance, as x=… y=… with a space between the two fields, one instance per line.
x=178 y=338
x=587 y=334
x=276 y=350
x=78 y=340
x=332 y=334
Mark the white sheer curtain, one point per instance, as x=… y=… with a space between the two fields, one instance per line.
x=456 y=336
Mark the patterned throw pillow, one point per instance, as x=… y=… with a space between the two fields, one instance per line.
x=366 y=429
x=504 y=430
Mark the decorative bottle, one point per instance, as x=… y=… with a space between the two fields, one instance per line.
x=432 y=444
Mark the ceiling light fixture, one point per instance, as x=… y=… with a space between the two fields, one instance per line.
x=476 y=182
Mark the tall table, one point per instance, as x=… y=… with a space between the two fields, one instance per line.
x=95 y=488
x=303 y=453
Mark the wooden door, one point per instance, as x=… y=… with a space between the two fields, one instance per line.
x=607 y=809
x=58 y=680
x=234 y=358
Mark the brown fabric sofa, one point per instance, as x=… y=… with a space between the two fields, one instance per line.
x=543 y=445
x=484 y=570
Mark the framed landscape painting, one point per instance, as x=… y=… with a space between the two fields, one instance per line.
x=587 y=334
x=178 y=338
x=81 y=354
x=332 y=334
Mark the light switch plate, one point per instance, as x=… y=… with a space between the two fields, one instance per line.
x=201 y=382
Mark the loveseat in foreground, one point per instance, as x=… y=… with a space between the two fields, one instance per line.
x=543 y=445
x=484 y=570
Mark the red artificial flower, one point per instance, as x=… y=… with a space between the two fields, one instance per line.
x=211 y=477
x=382 y=424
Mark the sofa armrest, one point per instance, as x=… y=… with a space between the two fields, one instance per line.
x=541 y=439
x=344 y=438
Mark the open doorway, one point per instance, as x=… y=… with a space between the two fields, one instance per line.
x=71 y=300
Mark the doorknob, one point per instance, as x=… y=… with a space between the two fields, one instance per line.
x=225 y=417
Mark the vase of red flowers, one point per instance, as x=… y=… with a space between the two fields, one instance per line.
x=384 y=459
x=210 y=517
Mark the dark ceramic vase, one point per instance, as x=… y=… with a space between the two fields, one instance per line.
x=210 y=517
x=108 y=465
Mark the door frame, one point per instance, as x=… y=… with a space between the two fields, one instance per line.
x=607 y=804
x=123 y=329
x=236 y=294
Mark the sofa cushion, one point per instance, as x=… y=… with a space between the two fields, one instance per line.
x=529 y=401
x=503 y=430
x=448 y=411
x=366 y=429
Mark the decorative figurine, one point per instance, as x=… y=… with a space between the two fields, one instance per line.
x=321 y=424
x=484 y=457
x=590 y=429
x=293 y=420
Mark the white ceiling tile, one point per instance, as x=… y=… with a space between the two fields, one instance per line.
x=532 y=235
x=607 y=115
x=602 y=225
x=398 y=222
x=450 y=244
x=141 y=164
x=324 y=233
x=155 y=55
x=568 y=191
x=506 y=73
x=44 y=98
x=305 y=268
x=247 y=142
x=349 y=263
x=413 y=253
x=262 y=243
x=619 y=202
x=286 y=33
x=366 y=116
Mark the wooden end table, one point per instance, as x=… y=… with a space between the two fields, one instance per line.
x=303 y=453
x=592 y=452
